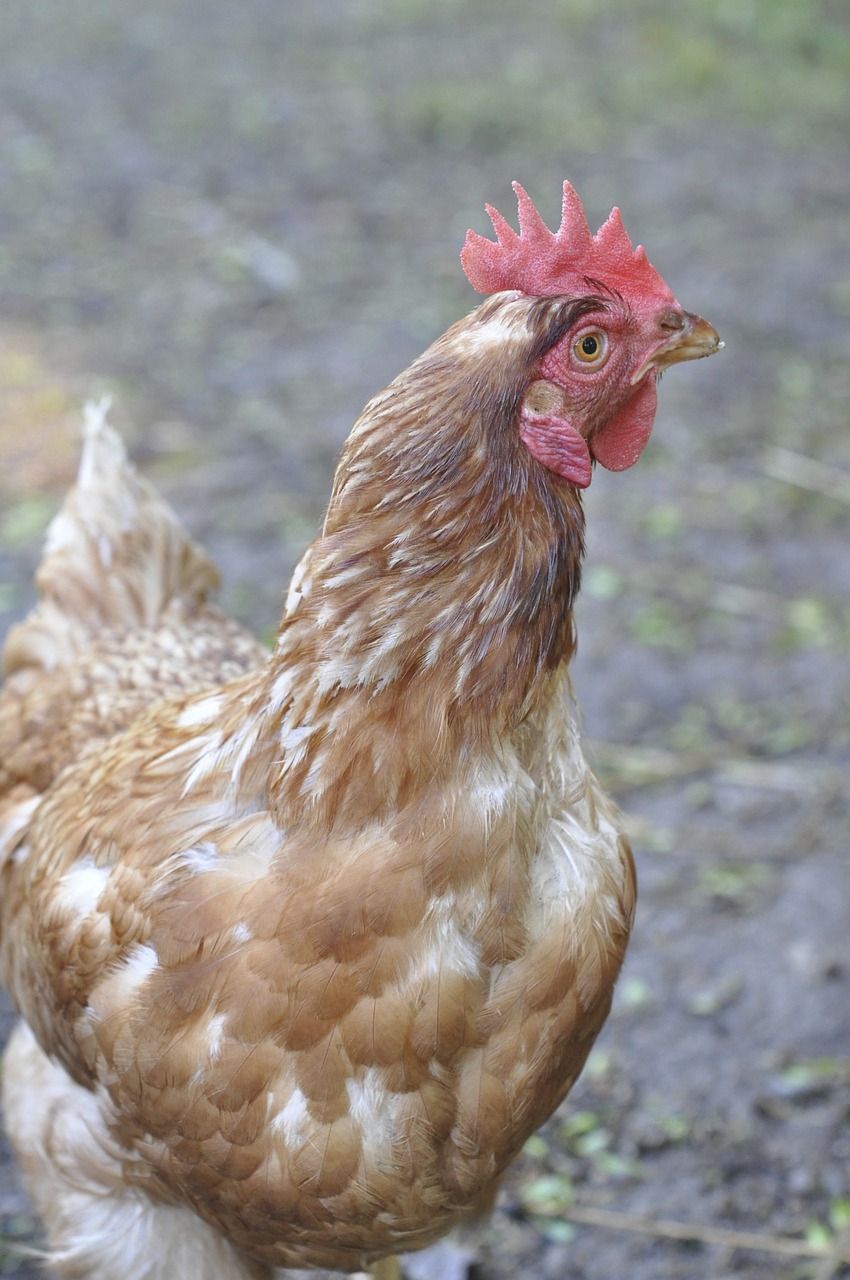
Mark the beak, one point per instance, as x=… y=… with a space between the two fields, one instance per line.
x=692 y=339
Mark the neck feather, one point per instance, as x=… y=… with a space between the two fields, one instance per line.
x=425 y=620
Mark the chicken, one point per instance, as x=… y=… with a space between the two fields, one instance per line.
x=306 y=945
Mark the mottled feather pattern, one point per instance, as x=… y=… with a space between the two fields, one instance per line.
x=329 y=941
x=114 y=556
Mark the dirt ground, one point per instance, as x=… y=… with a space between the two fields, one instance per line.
x=242 y=217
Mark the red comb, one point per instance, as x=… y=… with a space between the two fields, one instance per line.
x=543 y=263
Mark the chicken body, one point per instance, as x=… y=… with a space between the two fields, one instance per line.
x=315 y=949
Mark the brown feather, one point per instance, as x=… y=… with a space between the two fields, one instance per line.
x=329 y=939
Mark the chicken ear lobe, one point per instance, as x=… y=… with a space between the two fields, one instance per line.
x=558 y=445
x=621 y=441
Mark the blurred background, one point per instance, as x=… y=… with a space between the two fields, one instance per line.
x=242 y=218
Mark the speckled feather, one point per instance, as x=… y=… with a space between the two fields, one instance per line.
x=328 y=941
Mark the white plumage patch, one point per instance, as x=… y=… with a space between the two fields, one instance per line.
x=201 y=857
x=215 y=1034
x=204 y=711
x=79 y=891
x=217 y=755
x=209 y=758
x=450 y=950
x=299 y=587
x=140 y=964
x=62 y=533
x=240 y=746
x=580 y=857
x=281 y=690
x=497 y=331
x=374 y=1108
x=105 y=550
x=114 y=995
x=293 y=1119
x=14 y=824
x=294 y=744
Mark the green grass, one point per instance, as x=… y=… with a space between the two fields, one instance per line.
x=780 y=65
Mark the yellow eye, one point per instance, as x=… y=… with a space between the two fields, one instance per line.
x=591 y=347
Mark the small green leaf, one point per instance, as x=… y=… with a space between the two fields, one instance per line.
x=548 y=1195
x=818 y=1235
x=839 y=1215
x=536 y=1147
x=589 y=1145
x=578 y=1122
x=665 y=521
x=602 y=582
x=634 y=993
x=559 y=1232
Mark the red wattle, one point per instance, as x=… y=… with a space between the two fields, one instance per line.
x=558 y=445
x=621 y=441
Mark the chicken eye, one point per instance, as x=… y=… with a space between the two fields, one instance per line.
x=591 y=347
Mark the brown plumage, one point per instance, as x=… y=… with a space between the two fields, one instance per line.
x=308 y=943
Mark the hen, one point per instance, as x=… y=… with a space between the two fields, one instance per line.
x=307 y=944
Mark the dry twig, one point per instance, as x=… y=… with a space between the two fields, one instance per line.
x=633 y=767
x=836 y=1254
x=806 y=473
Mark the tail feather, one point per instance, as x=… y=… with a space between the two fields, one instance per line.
x=114 y=556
